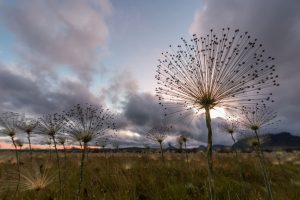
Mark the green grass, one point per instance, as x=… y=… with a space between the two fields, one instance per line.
x=144 y=176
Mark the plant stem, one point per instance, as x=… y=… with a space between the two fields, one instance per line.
x=58 y=165
x=50 y=152
x=186 y=155
x=65 y=152
x=29 y=142
x=81 y=171
x=264 y=168
x=36 y=195
x=161 y=151
x=209 y=155
x=18 y=165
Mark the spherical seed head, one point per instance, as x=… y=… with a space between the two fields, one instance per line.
x=228 y=70
x=229 y=125
x=28 y=130
x=11 y=133
x=31 y=179
x=62 y=139
x=50 y=124
x=255 y=118
x=19 y=143
x=8 y=123
x=27 y=124
x=158 y=134
x=87 y=122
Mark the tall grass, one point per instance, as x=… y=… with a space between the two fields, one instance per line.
x=129 y=176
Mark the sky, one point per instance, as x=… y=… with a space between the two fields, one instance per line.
x=54 y=54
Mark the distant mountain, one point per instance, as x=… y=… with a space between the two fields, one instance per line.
x=171 y=147
x=216 y=147
x=201 y=148
x=221 y=147
x=280 y=141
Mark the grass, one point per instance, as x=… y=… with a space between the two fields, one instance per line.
x=132 y=176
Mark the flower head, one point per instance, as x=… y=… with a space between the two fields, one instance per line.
x=27 y=124
x=62 y=139
x=19 y=143
x=158 y=134
x=257 y=117
x=50 y=124
x=8 y=124
x=229 y=125
x=86 y=123
x=228 y=70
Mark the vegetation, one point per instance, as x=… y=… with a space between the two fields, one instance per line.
x=145 y=176
x=84 y=125
x=159 y=134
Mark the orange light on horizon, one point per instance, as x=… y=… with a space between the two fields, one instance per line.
x=41 y=146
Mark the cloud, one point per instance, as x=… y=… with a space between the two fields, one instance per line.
x=121 y=86
x=57 y=33
x=141 y=112
x=23 y=94
x=276 y=24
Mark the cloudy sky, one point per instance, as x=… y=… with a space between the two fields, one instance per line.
x=56 y=53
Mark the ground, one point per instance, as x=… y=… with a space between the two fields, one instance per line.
x=124 y=176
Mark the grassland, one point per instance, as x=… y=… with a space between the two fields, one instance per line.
x=143 y=176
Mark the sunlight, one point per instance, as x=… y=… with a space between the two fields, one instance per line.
x=214 y=113
x=217 y=112
x=128 y=133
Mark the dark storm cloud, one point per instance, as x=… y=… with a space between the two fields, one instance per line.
x=276 y=24
x=143 y=110
x=22 y=94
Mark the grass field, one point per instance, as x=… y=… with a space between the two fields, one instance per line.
x=143 y=176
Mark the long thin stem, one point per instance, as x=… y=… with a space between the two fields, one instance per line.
x=81 y=171
x=209 y=155
x=65 y=152
x=65 y=166
x=58 y=165
x=37 y=194
x=186 y=155
x=161 y=151
x=264 y=168
x=18 y=165
x=50 y=152
x=29 y=142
